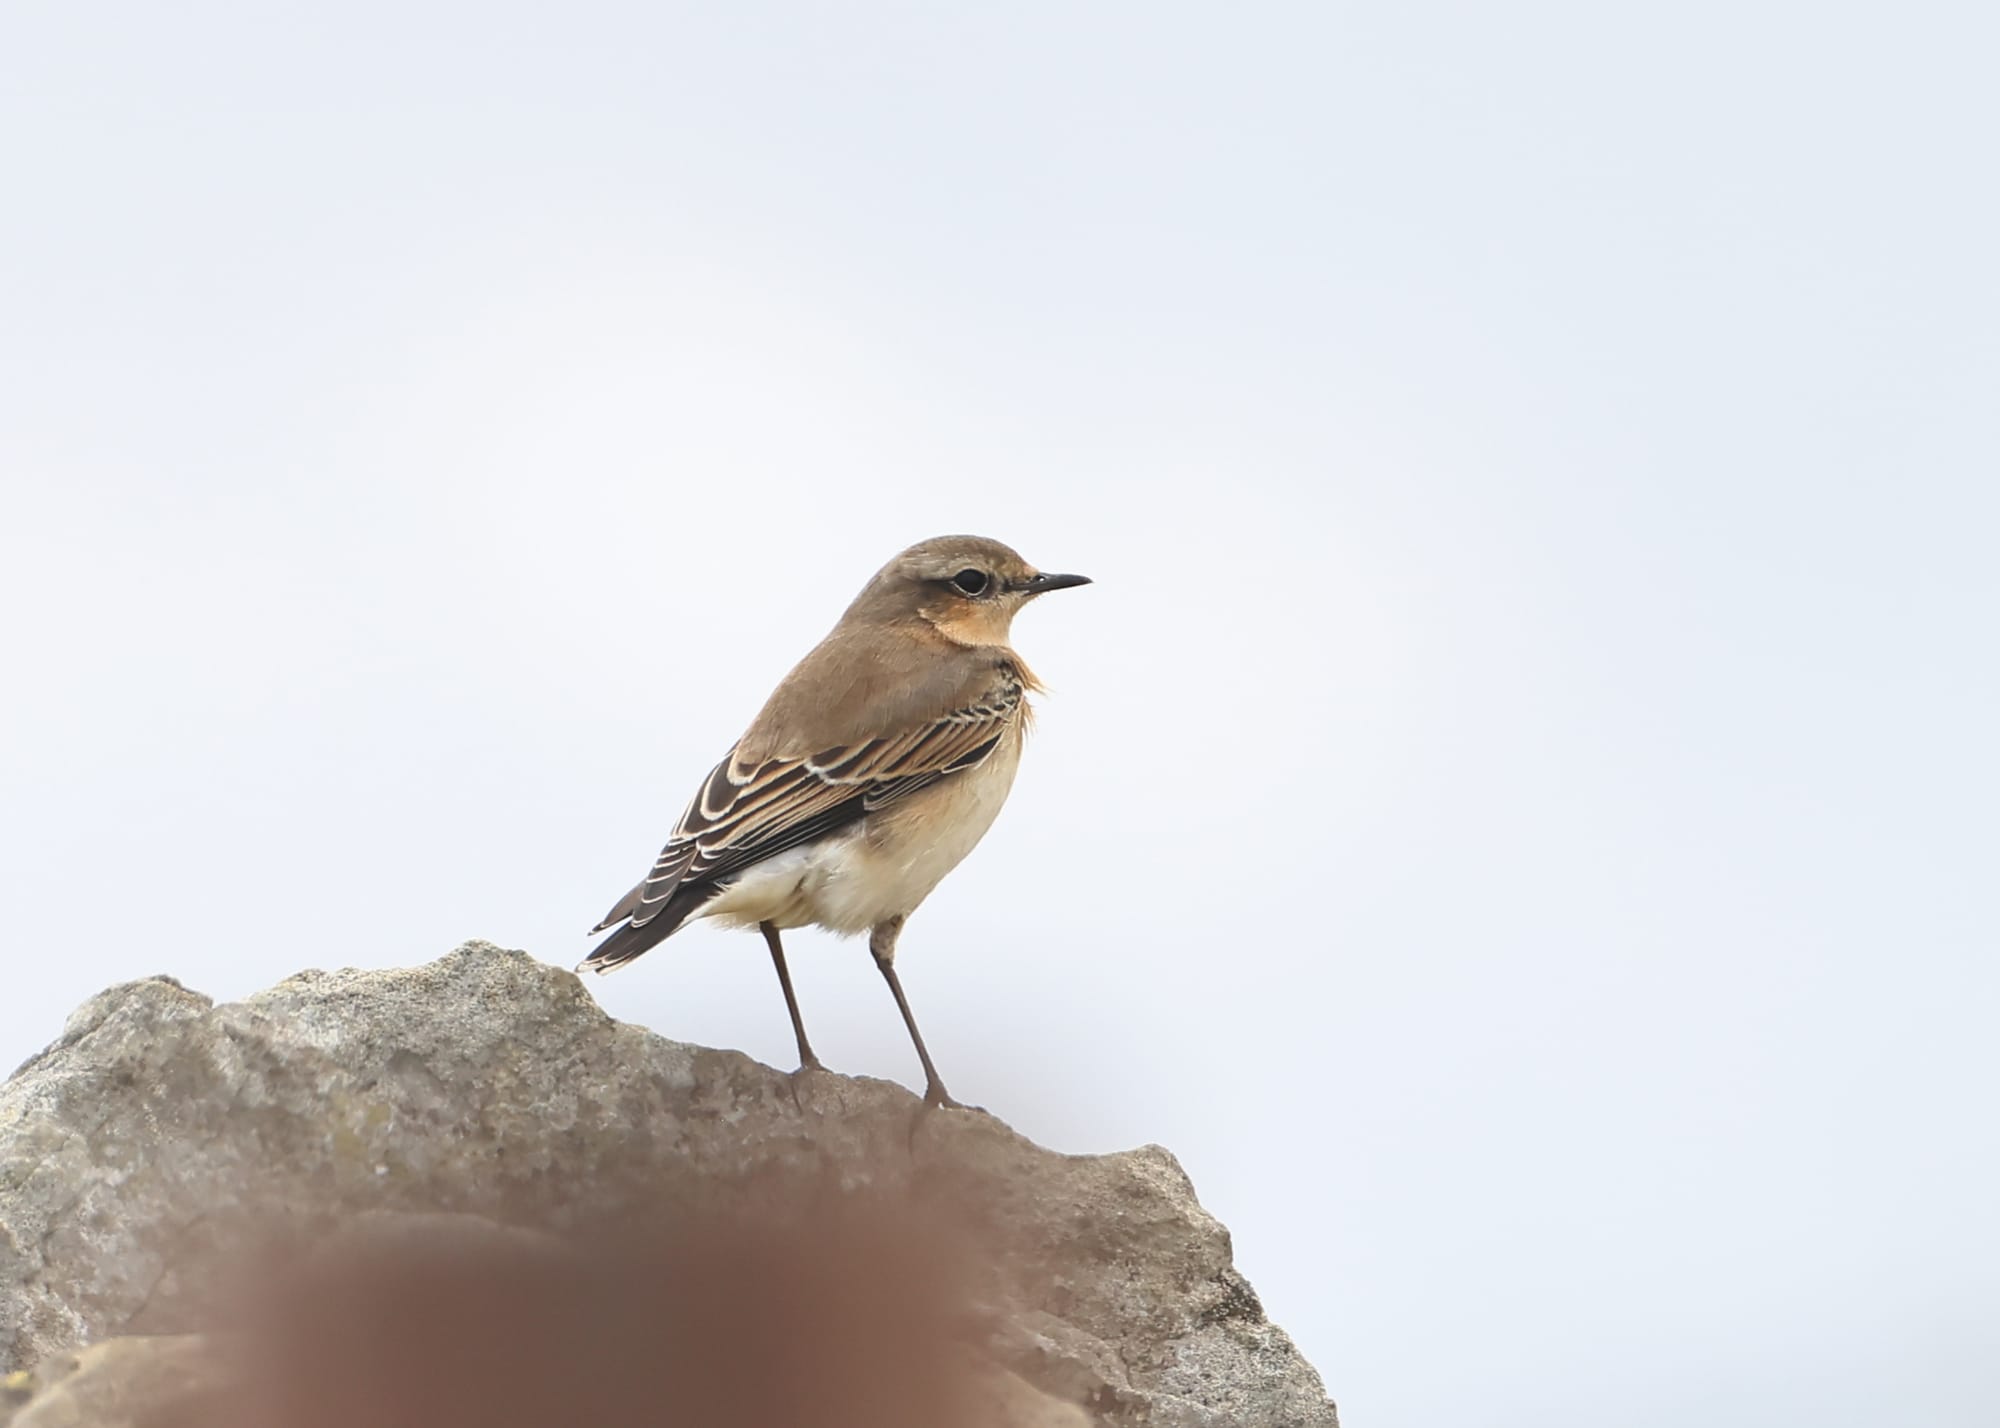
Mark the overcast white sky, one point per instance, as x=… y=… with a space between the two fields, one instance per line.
x=1516 y=813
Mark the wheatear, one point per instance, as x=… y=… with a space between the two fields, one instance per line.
x=877 y=765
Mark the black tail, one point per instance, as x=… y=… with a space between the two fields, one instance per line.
x=635 y=939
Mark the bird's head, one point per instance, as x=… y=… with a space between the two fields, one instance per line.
x=968 y=587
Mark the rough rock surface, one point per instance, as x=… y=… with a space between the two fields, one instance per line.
x=162 y=1134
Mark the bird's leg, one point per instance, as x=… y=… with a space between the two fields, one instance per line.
x=807 y=1061
x=882 y=942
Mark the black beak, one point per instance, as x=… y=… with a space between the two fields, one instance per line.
x=1041 y=584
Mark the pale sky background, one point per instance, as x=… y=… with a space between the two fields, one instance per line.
x=1516 y=813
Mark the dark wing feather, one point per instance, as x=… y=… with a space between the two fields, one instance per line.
x=746 y=813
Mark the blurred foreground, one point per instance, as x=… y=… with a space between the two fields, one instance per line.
x=852 y=1318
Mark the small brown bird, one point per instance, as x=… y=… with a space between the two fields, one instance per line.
x=874 y=768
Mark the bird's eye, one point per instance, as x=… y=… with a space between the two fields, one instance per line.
x=970 y=582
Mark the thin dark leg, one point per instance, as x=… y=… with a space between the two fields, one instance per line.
x=807 y=1061
x=935 y=1093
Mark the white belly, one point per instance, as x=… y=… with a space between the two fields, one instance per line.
x=881 y=867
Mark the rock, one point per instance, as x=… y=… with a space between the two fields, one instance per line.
x=164 y=1142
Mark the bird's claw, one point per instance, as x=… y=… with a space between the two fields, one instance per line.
x=939 y=1099
x=806 y=1068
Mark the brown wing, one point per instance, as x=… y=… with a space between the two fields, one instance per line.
x=747 y=812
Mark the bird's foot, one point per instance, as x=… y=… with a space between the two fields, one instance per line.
x=808 y=1067
x=937 y=1098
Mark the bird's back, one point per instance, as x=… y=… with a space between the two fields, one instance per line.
x=856 y=684
x=897 y=752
